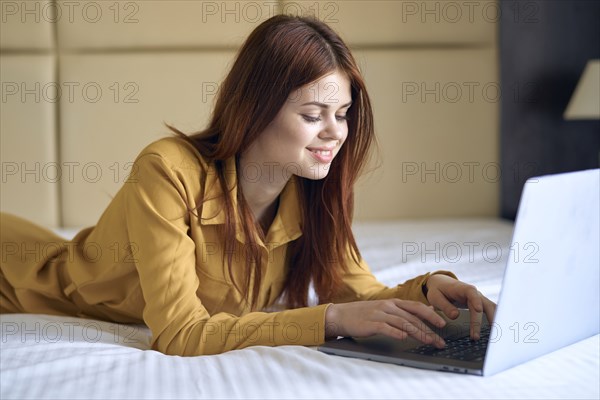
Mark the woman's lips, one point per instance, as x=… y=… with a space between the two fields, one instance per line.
x=323 y=156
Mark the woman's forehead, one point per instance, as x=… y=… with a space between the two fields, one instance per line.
x=331 y=89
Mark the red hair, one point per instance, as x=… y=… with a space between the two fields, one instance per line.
x=283 y=54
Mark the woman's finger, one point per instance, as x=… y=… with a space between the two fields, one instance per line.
x=489 y=308
x=416 y=329
x=439 y=300
x=421 y=311
x=475 y=305
x=416 y=313
x=475 y=323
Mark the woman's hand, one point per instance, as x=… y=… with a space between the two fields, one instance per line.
x=443 y=291
x=393 y=317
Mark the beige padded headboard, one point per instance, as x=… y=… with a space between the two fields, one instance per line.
x=87 y=84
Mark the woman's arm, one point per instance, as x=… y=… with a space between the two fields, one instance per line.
x=400 y=311
x=156 y=220
x=360 y=284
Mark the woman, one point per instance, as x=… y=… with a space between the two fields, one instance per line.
x=212 y=228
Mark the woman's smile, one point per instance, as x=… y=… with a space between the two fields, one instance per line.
x=322 y=155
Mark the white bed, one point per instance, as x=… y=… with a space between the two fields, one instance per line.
x=60 y=357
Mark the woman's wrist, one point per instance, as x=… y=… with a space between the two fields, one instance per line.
x=435 y=279
x=424 y=287
x=331 y=316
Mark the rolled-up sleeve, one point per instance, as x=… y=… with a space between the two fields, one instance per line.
x=157 y=222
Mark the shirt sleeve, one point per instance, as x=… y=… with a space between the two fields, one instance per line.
x=157 y=222
x=361 y=284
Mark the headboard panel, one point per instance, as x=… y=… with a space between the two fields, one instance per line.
x=431 y=71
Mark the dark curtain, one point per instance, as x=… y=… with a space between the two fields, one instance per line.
x=544 y=47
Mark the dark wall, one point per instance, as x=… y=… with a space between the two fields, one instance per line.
x=544 y=47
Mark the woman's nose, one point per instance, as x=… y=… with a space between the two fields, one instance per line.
x=333 y=129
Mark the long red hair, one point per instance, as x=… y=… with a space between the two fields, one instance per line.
x=282 y=54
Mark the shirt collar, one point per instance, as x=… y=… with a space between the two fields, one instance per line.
x=286 y=224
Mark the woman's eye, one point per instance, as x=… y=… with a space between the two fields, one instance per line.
x=310 y=119
x=313 y=120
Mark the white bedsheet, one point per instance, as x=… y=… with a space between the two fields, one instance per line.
x=60 y=357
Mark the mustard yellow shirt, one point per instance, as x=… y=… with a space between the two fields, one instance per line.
x=148 y=260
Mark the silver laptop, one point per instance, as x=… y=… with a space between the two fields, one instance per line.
x=550 y=292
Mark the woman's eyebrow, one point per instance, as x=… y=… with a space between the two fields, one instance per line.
x=323 y=105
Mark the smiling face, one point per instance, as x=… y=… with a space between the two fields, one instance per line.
x=309 y=129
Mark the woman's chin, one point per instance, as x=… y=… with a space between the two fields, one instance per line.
x=314 y=171
x=317 y=176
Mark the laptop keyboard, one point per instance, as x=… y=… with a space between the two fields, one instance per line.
x=458 y=349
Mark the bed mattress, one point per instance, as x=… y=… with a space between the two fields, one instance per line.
x=52 y=357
